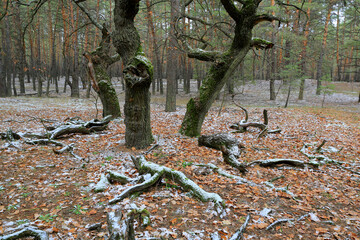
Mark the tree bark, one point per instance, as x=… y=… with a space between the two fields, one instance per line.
x=171 y=65
x=322 y=50
x=138 y=75
x=98 y=63
x=20 y=49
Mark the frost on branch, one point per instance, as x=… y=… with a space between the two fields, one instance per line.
x=25 y=233
x=158 y=172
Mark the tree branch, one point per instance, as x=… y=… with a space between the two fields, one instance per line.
x=265 y=18
x=6 y=9
x=259 y=43
x=87 y=13
x=230 y=7
x=290 y=5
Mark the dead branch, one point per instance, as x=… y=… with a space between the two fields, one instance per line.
x=276 y=162
x=322 y=160
x=225 y=174
x=318 y=149
x=9 y=135
x=239 y=234
x=158 y=171
x=152 y=148
x=279 y=221
x=229 y=146
x=242 y=126
x=27 y=232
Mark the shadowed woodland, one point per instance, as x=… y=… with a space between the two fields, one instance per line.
x=179 y=119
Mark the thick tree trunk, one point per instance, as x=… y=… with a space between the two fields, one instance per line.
x=138 y=75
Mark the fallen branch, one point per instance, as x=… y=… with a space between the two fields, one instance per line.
x=27 y=232
x=283 y=220
x=158 y=171
x=239 y=234
x=225 y=174
x=279 y=221
x=322 y=160
x=64 y=148
x=9 y=135
x=242 y=126
x=276 y=162
x=229 y=146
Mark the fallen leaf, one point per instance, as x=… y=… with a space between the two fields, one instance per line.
x=261 y=225
x=92 y=212
x=226 y=222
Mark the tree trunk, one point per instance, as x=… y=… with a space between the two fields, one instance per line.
x=99 y=62
x=303 y=55
x=171 y=65
x=223 y=66
x=2 y=77
x=138 y=75
x=322 y=51
x=159 y=71
x=7 y=51
x=38 y=63
x=20 y=49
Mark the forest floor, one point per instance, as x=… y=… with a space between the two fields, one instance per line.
x=54 y=192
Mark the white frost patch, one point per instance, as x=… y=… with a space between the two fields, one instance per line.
x=265 y=212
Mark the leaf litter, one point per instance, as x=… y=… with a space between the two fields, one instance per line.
x=54 y=192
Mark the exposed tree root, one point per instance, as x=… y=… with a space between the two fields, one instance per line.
x=242 y=126
x=27 y=232
x=109 y=178
x=229 y=146
x=158 y=172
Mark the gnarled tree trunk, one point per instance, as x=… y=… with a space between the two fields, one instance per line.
x=224 y=64
x=138 y=75
x=98 y=63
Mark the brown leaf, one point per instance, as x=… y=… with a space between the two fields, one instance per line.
x=261 y=225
